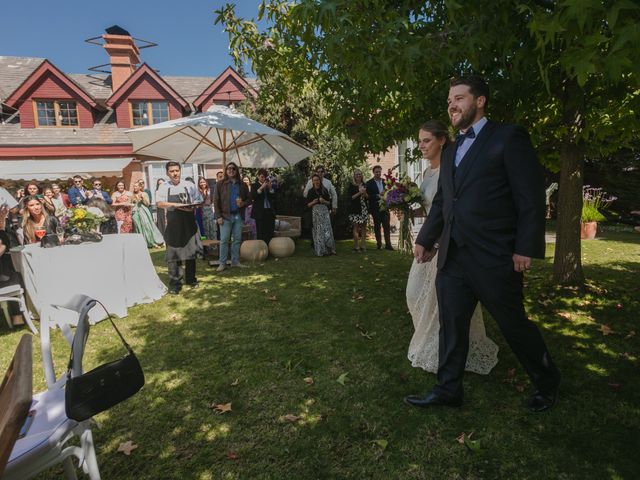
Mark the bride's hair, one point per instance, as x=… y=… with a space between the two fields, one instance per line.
x=437 y=129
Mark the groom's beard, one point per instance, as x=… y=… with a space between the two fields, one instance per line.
x=466 y=118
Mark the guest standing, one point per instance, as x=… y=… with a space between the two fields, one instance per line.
x=60 y=200
x=319 y=200
x=77 y=193
x=264 y=206
x=375 y=189
x=231 y=198
x=358 y=211
x=326 y=183
x=181 y=237
x=204 y=214
x=122 y=202
x=99 y=193
x=142 y=218
x=47 y=201
x=36 y=219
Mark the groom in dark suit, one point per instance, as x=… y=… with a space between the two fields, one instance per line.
x=487 y=220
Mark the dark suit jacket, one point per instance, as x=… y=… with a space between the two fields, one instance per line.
x=105 y=196
x=258 y=211
x=374 y=195
x=496 y=200
x=75 y=198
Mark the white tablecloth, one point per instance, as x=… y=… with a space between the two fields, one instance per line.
x=116 y=271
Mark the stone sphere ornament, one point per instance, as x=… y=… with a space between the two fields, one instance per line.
x=280 y=247
x=254 y=251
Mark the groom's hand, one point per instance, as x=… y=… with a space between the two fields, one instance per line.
x=521 y=263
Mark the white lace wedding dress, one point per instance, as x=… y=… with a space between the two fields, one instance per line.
x=423 y=307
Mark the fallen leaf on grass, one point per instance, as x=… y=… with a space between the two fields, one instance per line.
x=606 y=330
x=520 y=387
x=387 y=311
x=631 y=334
x=566 y=315
x=273 y=298
x=358 y=296
x=266 y=290
x=473 y=445
x=127 y=447
x=174 y=316
x=221 y=407
x=290 y=417
x=235 y=383
x=364 y=333
x=308 y=380
x=231 y=455
x=342 y=378
x=381 y=443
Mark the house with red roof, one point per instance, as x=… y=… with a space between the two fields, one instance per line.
x=55 y=124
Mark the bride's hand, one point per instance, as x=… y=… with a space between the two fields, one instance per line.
x=422 y=255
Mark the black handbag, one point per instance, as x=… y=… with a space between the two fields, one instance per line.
x=103 y=387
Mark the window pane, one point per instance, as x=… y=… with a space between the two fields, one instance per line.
x=46 y=114
x=68 y=113
x=139 y=113
x=160 y=111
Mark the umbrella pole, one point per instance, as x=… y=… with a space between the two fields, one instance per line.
x=224 y=149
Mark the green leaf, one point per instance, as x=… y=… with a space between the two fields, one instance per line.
x=381 y=443
x=342 y=379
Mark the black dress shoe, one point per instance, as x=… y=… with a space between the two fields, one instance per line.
x=388 y=247
x=540 y=402
x=432 y=400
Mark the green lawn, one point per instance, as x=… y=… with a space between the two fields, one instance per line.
x=251 y=337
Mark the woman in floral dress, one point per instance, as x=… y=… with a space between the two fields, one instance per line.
x=122 y=204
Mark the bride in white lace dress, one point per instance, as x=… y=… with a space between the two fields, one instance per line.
x=421 y=287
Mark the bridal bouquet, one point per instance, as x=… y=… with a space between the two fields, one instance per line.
x=401 y=196
x=83 y=219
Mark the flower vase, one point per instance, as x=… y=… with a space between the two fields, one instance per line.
x=588 y=230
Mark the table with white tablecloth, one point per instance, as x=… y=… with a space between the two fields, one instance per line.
x=117 y=271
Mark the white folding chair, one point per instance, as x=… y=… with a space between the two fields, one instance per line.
x=14 y=293
x=47 y=441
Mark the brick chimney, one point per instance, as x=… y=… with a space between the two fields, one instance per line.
x=124 y=55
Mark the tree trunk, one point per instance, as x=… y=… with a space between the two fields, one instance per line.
x=567 y=263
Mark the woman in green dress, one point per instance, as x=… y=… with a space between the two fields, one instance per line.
x=143 y=220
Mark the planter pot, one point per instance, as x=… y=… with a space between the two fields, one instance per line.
x=588 y=230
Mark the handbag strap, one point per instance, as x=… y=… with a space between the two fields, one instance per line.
x=124 y=342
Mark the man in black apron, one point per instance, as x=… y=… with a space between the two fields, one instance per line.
x=181 y=235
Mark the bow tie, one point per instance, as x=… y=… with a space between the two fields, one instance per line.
x=462 y=136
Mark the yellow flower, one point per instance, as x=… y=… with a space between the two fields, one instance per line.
x=79 y=213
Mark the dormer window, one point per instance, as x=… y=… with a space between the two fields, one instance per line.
x=149 y=112
x=56 y=113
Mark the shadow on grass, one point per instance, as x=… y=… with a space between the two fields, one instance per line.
x=273 y=340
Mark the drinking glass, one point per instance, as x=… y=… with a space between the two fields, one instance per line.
x=39 y=231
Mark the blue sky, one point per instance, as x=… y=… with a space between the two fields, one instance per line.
x=188 y=41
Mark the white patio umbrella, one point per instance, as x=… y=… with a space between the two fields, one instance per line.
x=218 y=136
